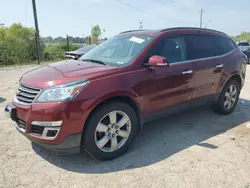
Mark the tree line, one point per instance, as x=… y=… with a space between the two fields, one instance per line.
x=18 y=45
x=244 y=36
x=75 y=40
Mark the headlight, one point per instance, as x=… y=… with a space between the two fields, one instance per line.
x=61 y=93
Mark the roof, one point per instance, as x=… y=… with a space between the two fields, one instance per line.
x=154 y=32
x=140 y=32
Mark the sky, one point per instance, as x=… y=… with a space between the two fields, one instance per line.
x=76 y=17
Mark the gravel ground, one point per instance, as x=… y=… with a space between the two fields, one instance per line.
x=194 y=149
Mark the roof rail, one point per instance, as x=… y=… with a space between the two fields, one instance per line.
x=204 y=29
x=133 y=31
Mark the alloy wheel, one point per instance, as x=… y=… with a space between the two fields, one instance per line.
x=113 y=131
x=230 y=97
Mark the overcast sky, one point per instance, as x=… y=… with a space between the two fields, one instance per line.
x=75 y=17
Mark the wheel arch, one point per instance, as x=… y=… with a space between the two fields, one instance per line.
x=121 y=98
x=236 y=77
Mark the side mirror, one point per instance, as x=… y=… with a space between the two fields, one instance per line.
x=157 y=61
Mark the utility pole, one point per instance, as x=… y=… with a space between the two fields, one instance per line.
x=140 y=25
x=37 y=36
x=201 y=17
x=67 y=38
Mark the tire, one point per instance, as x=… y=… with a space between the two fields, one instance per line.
x=219 y=106
x=103 y=114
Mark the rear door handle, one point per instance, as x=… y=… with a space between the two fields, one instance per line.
x=219 y=66
x=187 y=72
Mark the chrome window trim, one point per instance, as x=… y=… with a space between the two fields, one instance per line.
x=201 y=59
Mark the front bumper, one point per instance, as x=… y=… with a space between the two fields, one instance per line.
x=68 y=137
x=71 y=144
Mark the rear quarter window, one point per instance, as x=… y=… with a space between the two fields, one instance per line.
x=224 y=45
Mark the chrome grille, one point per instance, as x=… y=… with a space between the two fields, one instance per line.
x=26 y=94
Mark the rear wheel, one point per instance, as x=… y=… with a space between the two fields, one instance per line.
x=228 y=98
x=110 y=131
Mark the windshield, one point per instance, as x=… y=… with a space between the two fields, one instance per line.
x=119 y=50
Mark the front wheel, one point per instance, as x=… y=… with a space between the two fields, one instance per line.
x=110 y=131
x=228 y=98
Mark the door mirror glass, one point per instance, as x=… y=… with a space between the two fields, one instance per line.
x=158 y=61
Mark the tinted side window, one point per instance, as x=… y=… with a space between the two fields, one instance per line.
x=224 y=45
x=200 y=46
x=173 y=48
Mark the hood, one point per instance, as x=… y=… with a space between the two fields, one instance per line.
x=63 y=72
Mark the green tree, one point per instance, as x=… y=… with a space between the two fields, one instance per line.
x=88 y=40
x=17 y=45
x=95 y=34
x=242 y=36
x=57 y=51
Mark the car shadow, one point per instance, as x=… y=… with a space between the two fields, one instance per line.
x=2 y=99
x=159 y=140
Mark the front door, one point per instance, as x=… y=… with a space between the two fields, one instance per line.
x=167 y=86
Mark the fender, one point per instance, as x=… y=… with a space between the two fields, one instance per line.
x=228 y=78
x=112 y=95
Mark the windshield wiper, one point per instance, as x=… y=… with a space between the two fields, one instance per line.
x=94 y=61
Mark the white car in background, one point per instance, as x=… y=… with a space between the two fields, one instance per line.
x=79 y=52
x=245 y=47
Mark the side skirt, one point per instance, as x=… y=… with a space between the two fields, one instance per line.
x=178 y=108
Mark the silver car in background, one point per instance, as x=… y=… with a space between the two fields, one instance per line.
x=79 y=52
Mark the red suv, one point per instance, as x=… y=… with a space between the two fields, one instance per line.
x=100 y=102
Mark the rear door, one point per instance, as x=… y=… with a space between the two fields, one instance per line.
x=201 y=51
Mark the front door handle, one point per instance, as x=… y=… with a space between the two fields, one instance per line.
x=219 y=66
x=187 y=72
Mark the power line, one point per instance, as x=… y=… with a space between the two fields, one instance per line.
x=143 y=11
x=131 y=6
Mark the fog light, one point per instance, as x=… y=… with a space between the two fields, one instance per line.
x=47 y=123
x=51 y=133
